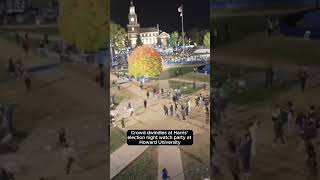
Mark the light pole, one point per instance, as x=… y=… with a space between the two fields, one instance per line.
x=180 y=10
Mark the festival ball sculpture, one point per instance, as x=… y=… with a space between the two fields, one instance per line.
x=145 y=61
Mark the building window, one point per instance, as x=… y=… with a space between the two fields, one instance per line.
x=132 y=28
x=132 y=19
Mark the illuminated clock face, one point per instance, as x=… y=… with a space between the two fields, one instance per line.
x=132 y=19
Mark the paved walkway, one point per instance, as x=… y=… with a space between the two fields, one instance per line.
x=123 y=156
x=169 y=157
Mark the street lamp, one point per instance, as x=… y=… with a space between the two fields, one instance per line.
x=180 y=10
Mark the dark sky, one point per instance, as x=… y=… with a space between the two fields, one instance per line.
x=165 y=13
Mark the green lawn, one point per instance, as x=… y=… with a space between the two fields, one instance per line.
x=171 y=72
x=274 y=49
x=145 y=167
x=195 y=76
x=117 y=139
x=223 y=72
x=260 y=94
x=186 y=88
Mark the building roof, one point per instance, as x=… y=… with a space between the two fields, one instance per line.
x=164 y=34
x=148 y=29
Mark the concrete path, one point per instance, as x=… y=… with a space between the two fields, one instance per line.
x=123 y=156
x=169 y=157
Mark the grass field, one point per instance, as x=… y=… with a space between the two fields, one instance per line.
x=195 y=76
x=145 y=167
x=259 y=94
x=117 y=139
x=171 y=72
x=186 y=88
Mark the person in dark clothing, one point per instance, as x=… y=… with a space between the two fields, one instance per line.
x=187 y=110
x=62 y=139
x=123 y=123
x=303 y=75
x=233 y=160
x=148 y=94
x=165 y=110
x=162 y=91
x=27 y=81
x=171 y=109
x=129 y=105
x=175 y=106
x=245 y=152
x=183 y=113
x=204 y=86
x=145 y=103
x=311 y=159
x=194 y=84
x=165 y=174
x=11 y=67
x=269 y=77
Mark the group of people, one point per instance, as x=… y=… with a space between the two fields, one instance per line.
x=306 y=124
x=17 y=69
x=302 y=74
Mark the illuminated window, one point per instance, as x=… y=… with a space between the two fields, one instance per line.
x=132 y=19
x=132 y=28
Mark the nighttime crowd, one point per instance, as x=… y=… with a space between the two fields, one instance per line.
x=289 y=124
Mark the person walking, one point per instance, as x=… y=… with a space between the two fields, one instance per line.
x=27 y=81
x=233 y=161
x=11 y=68
x=123 y=123
x=245 y=153
x=189 y=105
x=69 y=154
x=165 y=174
x=277 y=124
x=183 y=113
x=131 y=111
x=165 y=109
x=204 y=86
x=303 y=75
x=187 y=110
x=62 y=137
x=269 y=76
x=148 y=94
x=129 y=105
x=253 y=134
x=145 y=103
x=162 y=91
x=171 y=109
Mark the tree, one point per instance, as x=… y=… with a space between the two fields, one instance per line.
x=145 y=61
x=185 y=39
x=174 y=37
x=118 y=36
x=128 y=42
x=84 y=23
x=139 y=41
x=206 y=40
x=196 y=35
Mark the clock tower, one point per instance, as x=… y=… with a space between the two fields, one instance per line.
x=133 y=26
